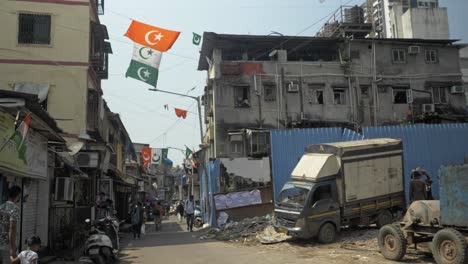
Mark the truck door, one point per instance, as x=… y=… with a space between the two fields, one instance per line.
x=323 y=206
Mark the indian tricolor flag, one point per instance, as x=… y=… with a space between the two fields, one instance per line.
x=145 y=64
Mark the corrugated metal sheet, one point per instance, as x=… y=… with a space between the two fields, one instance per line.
x=427 y=146
x=287 y=147
x=212 y=169
x=454 y=195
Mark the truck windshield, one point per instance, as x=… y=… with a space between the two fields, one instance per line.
x=294 y=194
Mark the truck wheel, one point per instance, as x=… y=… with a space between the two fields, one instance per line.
x=327 y=233
x=384 y=218
x=392 y=242
x=450 y=247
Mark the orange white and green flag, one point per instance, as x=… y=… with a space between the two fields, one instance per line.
x=152 y=37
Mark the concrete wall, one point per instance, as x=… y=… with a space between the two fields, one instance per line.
x=63 y=64
x=426 y=23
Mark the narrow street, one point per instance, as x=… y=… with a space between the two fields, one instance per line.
x=175 y=245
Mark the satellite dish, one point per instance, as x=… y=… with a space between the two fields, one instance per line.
x=75 y=147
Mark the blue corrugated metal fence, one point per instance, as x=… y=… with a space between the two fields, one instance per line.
x=427 y=146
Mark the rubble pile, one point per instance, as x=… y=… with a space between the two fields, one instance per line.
x=247 y=231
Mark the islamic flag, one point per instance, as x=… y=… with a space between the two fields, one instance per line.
x=152 y=37
x=144 y=65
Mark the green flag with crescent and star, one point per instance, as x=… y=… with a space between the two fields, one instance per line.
x=196 y=39
x=144 y=65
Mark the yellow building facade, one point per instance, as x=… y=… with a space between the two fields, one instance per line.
x=61 y=62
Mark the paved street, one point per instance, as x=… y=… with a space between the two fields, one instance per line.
x=175 y=245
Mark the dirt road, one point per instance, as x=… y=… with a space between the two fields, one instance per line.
x=175 y=245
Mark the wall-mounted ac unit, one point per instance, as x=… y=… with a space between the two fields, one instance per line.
x=457 y=89
x=293 y=87
x=87 y=159
x=414 y=50
x=428 y=108
x=64 y=189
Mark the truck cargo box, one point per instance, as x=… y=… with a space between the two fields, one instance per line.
x=371 y=168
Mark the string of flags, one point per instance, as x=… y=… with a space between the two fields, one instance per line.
x=150 y=43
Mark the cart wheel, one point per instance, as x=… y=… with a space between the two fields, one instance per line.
x=449 y=247
x=327 y=233
x=392 y=242
x=384 y=218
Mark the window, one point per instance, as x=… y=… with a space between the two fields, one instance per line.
x=401 y=95
x=236 y=143
x=242 y=96
x=439 y=95
x=269 y=92
x=431 y=56
x=316 y=95
x=339 y=96
x=259 y=142
x=399 y=55
x=321 y=193
x=365 y=91
x=34 y=29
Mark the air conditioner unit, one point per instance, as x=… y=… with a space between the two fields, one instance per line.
x=293 y=88
x=457 y=89
x=414 y=50
x=64 y=189
x=87 y=159
x=428 y=108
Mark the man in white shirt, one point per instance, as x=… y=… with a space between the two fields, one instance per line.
x=189 y=211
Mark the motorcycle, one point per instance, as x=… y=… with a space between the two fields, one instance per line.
x=99 y=248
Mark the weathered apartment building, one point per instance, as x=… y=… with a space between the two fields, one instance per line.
x=423 y=19
x=58 y=51
x=257 y=83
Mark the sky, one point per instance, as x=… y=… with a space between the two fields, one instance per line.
x=142 y=111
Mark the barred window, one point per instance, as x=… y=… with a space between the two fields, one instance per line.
x=34 y=29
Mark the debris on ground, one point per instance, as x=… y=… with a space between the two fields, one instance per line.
x=271 y=236
x=244 y=231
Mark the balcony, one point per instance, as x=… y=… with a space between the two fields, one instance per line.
x=99 y=50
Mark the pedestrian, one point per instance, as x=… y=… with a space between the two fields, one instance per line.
x=29 y=256
x=158 y=213
x=417 y=187
x=180 y=211
x=9 y=217
x=137 y=220
x=189 y=211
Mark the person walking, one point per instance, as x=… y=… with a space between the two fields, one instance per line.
x=29 y=256
x=417 y=187
x=137 y=220
x=9 y=217
x=158 y=213
x=180 y=211
x=189 y=211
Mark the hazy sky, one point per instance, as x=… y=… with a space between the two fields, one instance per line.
x=142 y=111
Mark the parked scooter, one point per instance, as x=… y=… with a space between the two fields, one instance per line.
x=98 y=247
x=110 y=226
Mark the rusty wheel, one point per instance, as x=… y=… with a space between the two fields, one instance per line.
x=392 y=242
x=450 y=247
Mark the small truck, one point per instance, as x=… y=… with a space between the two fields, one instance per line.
x=442 y=223
x=342 y=184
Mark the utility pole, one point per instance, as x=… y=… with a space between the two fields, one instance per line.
x=198 y=99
